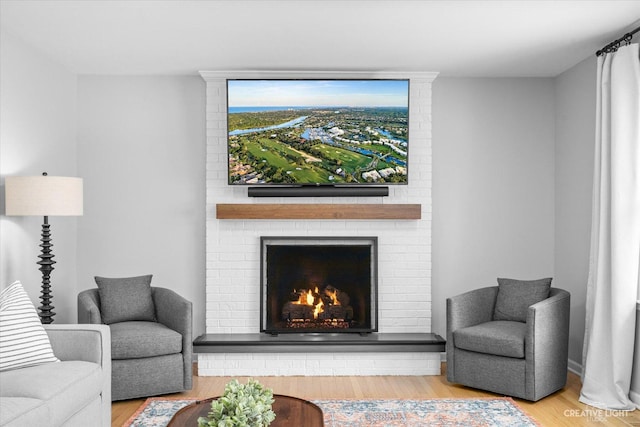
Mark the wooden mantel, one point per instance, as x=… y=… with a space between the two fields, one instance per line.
x=318 y=211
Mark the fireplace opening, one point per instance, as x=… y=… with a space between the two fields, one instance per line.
x=318 y=284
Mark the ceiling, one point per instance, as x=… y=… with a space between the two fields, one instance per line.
x=456 y=38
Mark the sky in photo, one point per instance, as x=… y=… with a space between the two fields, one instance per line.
x=318 y=93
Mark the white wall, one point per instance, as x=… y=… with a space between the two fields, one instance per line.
x=575 y=98
x=37 y=134
x=493 y=184
x=141 y=152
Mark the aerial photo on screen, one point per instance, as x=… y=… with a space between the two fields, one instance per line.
x=318 y=132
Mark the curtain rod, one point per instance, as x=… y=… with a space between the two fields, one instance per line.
x=614 y=45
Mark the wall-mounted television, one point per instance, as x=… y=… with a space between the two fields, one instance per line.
x=313 y=132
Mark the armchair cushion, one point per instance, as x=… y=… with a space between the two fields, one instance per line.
x=515 y=297
x=134 y=340
x=502 y=338
x=126 y=299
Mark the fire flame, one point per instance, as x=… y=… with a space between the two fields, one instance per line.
x=319 y=309
x=308 y=298
x=333 y=295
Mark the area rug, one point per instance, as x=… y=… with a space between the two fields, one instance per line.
x=432 y=412
x=494 y=412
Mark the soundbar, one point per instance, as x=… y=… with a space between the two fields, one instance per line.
x=318 y=191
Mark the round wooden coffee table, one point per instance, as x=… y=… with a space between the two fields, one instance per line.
x=290 y=412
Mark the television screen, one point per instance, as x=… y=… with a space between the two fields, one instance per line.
x=318 y=132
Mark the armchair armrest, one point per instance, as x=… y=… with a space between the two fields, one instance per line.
x=547 y=342
x=468 y=309
x=172 y=310
x=175 y=312
x=89 y=307
x=471 y=308
x=89 y=343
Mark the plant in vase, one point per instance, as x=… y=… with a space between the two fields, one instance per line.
x=241 y=405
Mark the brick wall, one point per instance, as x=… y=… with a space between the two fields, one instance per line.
x=404 y=248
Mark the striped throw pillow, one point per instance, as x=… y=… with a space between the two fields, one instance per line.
x=23 y=340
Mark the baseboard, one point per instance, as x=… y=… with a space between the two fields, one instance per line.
x=575 y=367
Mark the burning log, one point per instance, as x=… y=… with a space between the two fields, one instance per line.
x=293 y=310
x=335 y=296
x=338 y=312
x=329 y=308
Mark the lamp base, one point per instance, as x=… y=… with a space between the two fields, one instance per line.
x=46 y=262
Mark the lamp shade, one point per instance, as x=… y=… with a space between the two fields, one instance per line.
x=43 y=196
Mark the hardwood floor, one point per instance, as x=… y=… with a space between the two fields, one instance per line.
x=559 y=409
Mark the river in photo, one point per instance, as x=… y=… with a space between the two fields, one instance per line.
x=290 y=123
x=390 y=136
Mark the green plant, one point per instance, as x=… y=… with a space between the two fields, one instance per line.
x=241 y=405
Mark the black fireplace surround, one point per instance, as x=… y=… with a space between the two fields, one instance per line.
x=318 y=285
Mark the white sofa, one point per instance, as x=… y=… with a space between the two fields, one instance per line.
x=73 y=392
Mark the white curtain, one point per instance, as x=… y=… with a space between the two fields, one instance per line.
x=614 y=276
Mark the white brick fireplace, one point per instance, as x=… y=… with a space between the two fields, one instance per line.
x=233 y=249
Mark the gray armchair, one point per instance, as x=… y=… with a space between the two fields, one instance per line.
x=527 y=360
x=148 y=358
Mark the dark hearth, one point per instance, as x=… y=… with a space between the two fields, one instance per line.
x=318 y=284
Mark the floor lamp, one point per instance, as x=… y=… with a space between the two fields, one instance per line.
x=44 y=196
